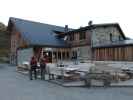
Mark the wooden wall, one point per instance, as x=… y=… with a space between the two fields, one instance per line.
x=124 y=53
x=16 y=42
x=77 y=42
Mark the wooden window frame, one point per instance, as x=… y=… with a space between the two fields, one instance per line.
x=71 y=37
x=82 y=35
x=111 y=37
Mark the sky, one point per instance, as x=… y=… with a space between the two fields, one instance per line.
x=74 y=13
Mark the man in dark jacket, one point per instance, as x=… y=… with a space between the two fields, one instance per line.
x=33 y=64
x=43 y=67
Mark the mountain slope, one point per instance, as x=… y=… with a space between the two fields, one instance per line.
x=4 y=43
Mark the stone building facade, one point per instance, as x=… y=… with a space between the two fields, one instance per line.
x=102 y=35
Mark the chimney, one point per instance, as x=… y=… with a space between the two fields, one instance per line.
x=81 y=27
x=90 y=23
x=66 y=28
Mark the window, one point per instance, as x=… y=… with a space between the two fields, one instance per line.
x=67 y=53
x=71 y=37
x=82 y=35
x=120 y=38
x=54 y=55
x=59 y=55
x=110 y=37
x=63 y=55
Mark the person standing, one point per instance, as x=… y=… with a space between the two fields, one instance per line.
x=33 y=64
x=42 y=67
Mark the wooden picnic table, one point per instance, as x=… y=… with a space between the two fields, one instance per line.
x=63 y=72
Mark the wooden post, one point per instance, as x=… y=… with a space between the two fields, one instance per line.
x=56 y=55
x=61 y=53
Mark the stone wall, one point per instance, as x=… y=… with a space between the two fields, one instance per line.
x=101 y=35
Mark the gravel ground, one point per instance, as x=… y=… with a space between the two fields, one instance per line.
x=15 y=86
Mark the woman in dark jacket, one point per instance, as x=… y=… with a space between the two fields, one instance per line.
x=33 y=64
